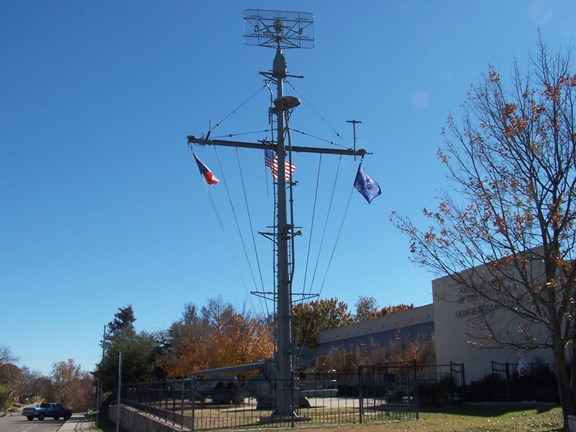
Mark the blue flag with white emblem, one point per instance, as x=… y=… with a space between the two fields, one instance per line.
x=366 y=185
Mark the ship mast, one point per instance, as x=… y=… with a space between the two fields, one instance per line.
x=281 y=30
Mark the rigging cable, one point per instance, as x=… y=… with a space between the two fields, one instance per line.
x=274 y=205
x=251 y=226
x=223 y=229
x=234 y=110
x=332 y=196
x=328 y=213
x=337 y=238
x=312 y=222
x=291 y=197
x=232 y=135
x=274 y=247
x=238 y=228
x=318 y=138
x=317 y=113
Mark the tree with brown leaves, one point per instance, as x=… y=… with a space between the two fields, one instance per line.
x=507 y=233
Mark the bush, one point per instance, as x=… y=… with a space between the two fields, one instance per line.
x=491 y=387
x=4 y=398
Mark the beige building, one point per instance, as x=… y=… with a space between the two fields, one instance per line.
x=453 y=319
x=461 y=337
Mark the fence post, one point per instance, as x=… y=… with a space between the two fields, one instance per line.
x=164 y=397
x=386 y=382
x=295 y=403
x=173 y=390
x=193 y=400
x=416 y=390
x=464 y=396
x=508 y=381
x=182 y=405
x=360 y=397
x=452 y=364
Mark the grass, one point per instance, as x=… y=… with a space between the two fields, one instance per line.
x=471 y=418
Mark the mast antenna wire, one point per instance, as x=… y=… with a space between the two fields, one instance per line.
x=319 y=115
x=274 y=207
x=211 y=128
x=231 y=135
x=330 y=261
x=320 y=248
x=328 y=214
x=222 y=174
x=318 y=138
x=352 y=189
x=225 y=234
x=251 y=226
x=291 y=195
x=312 y=221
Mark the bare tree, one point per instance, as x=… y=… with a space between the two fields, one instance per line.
x=507 y=231
x=72 y=385
x=6 y=355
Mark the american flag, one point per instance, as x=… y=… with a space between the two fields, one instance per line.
x=271 y=161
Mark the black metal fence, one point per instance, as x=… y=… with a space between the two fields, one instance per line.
x=372 y=393
x=441 y=384
x=535 y=382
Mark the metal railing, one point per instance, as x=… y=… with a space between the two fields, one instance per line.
x=372 y=393
x=537 y=382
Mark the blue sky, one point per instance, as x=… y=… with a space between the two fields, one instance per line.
x=102 y=203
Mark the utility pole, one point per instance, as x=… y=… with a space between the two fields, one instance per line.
x=277 y=29
x=119 y=398
x=354 y=123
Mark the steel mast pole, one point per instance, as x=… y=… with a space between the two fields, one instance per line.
x=278 y=30
x=284 y=391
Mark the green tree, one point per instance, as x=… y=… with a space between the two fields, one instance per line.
x=139 y=352
x=309 y=319
x=508 y=231
x=122 y=324
x=4 y=397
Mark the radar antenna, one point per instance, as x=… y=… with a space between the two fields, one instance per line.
x=278 y=29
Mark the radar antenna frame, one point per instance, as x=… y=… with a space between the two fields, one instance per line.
x=278 y=29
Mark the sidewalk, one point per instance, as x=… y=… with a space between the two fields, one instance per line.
x=76 y=423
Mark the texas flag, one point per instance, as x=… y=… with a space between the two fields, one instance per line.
x=205 y=171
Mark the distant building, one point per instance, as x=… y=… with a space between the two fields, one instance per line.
x=407 y=325
x=448 y=321
x=460 y=334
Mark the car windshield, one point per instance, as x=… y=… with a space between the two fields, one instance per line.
x=44 y=405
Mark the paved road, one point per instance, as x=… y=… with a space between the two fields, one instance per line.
x=19 y=423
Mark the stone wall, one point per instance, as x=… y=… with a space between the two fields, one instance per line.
x=132 y=420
